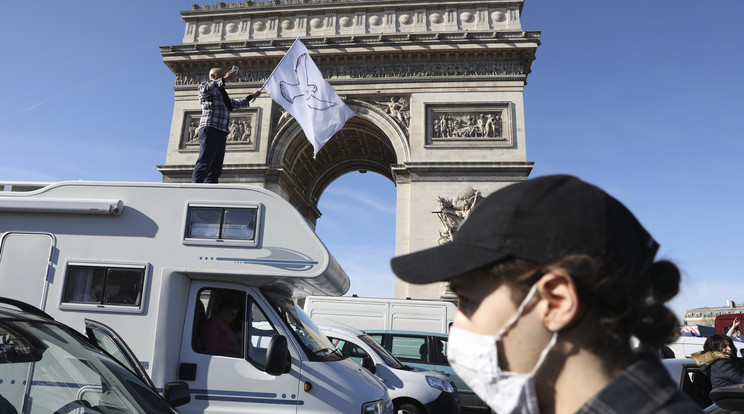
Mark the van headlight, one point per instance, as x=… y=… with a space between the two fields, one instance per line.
x=374 y=407
x=440 y=384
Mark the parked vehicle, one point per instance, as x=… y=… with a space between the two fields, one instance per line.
x=199 y=279
x=426 y=350
x=685 y=346
x=691 y=380
x=382 y=313
x=696 y=330
x=48 y=367
x=413 y=390
x=723 y=322
x=724 y=400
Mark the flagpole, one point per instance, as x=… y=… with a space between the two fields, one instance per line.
x=280 y=62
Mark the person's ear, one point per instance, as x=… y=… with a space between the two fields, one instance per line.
x=561 y=305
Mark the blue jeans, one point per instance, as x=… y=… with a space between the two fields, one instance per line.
x=211 y=155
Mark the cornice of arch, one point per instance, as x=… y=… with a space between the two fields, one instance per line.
x=341 y=42
x=274 y=5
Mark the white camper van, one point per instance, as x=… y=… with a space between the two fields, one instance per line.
x=198 y=279
x=382 y=313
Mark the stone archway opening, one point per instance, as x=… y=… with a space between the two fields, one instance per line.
x=359 y=146
x=358 y=227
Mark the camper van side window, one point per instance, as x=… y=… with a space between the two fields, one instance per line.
x=103 y=285
x=218 y=322
x=222 y=223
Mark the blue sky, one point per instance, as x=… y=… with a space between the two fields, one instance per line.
x=643 y=98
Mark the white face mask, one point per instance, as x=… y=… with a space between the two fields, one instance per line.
x=474 y=358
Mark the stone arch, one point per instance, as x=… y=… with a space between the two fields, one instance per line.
x=370 y=141
x=439 y=95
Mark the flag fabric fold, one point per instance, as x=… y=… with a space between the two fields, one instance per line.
x=298 y=86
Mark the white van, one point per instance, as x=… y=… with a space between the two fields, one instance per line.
x=198 y=279
x=381 y=313
x=685 y=346
x=413 y=390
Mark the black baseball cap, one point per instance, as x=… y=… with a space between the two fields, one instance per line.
x=540 y=220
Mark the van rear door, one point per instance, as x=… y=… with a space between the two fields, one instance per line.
x=24 y=264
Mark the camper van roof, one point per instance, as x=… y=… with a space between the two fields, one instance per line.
x=172 y=225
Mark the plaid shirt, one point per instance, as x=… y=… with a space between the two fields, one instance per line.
x=643 y=388
x=214 y=112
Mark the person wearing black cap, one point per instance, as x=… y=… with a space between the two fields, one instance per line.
x=553 y=277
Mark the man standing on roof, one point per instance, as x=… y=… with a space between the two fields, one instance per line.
x=214 y=125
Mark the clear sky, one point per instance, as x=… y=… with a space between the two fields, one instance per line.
x=643 y=98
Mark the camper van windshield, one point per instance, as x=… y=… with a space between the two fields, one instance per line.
x=316 y=345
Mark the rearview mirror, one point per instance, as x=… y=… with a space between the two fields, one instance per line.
x=177 y=393
x=10 y=354
x=277 y=356
x=369 y=365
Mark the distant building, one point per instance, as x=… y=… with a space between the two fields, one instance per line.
x=707 y=316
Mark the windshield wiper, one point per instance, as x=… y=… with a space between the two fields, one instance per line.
x=329 y=351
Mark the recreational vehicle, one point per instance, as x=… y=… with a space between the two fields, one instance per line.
x=198 y=279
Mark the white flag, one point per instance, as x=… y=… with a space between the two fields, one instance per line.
x=298 y=86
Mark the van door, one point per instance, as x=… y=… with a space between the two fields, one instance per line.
x=226 y=335
x=24 y=264
x=108 y=340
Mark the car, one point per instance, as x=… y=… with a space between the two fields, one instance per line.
x=49 y=367
x=427 y=350
x=724 y=400
x=413 y=391
x=687 y=374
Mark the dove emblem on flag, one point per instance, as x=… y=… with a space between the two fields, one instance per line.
x=298 y=86
x=302 y=87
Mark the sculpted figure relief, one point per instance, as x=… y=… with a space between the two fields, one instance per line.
x=240 y=131
x=467 y=125
x=453 y=212
x=397 y=108
x=193 y=128
x=416 y=70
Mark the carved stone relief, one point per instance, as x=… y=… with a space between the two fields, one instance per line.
x=397 y=107
x=468 y=125
x=240 y=137
x=483 y=125
x=381 y=70
x=453 y=211
x=391 y=19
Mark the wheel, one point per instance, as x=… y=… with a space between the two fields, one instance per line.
x=408 y=408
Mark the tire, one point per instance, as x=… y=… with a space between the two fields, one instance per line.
x=408 y=408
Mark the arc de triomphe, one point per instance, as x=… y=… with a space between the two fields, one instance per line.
x=437 y=86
